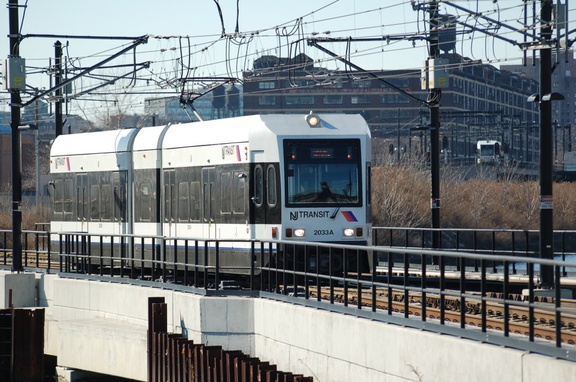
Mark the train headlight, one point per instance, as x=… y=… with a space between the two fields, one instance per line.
x=353 y=232
x=313 y=120
x=348 y=232
x=299 y=232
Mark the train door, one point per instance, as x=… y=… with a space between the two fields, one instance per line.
x=208 y=205
x=169 y=206
x=82 y=202
x=265 y=194
x=258 y=207
x=119 y=201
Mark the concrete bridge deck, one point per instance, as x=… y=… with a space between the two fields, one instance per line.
x=100 y=326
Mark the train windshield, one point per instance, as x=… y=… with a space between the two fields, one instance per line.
x=323 y=172
x=486 y=150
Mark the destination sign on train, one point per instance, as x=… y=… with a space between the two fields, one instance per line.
x=322 y=153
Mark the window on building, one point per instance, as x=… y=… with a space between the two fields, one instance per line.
x=334 y=84
x=267 y=85
x=362 y=84
x=394 y=98
x=300 y=82
x=266 y=100
x=398 y=82
x=360 y=99
x=299 y=100
x=333 y=99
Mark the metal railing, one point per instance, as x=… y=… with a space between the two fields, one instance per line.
x=445 y=291
x=35 y=248
x=489 y=292
x=508 y=242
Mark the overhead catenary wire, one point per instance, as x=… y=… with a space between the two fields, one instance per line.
x=242 y=49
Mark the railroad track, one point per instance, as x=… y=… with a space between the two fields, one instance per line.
x=544 y=323
x=29 y=259
x=544 y=315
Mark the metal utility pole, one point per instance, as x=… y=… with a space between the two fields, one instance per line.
x=434 y=95
x=546 y=145
x=57 y=82
x=15 y=103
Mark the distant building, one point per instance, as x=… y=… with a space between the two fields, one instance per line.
x=33 y=142
x=563 y=82
x=28 y=157
x=481 y=102
x=222 y=102
x=36 y=111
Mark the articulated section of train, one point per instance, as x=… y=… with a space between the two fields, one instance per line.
x=302 y=178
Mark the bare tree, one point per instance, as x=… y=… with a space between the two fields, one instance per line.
x=399 y=197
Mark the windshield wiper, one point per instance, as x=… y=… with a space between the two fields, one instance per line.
x=333 y=216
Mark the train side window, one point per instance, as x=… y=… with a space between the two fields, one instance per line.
x=183 y=201
x=106 y=208
x=81 y=181
x=195 y=201
x=80 y=202
x=68 y=196
x=118 y=203
x=258 y=185
x=168 y=202
x=208 y=202
x=369 y=185
x=225 y=193
x=205 y=199
x=145 y=201
x=94 y=202
x=239 y=192
x=58 y=196
x=271 y=186
x=212 y=196
x=119 y=196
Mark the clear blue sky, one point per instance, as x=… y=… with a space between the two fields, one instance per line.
x=200 y=18
x=257 y=22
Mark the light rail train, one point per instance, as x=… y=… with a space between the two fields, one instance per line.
x=489 y=152
x=302 y=178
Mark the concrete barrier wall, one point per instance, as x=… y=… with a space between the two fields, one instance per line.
x=335 y=347
x=101 y=327
x=19 y=289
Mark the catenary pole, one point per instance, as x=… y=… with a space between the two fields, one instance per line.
x=434 y=95
x=57 y=81
x=546 y=145
x=15 y=103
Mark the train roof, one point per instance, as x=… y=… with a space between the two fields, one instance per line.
x=110 y=141
x=487 y=142
x=148 y=138
x=250 y=128
x=221 y=131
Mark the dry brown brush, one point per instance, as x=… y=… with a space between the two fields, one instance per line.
x=401 y=198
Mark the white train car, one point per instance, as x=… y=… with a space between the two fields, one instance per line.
x=89 y=179
x=489 y=152
x=302 y=178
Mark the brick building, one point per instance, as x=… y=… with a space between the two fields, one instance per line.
x=481 y=101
